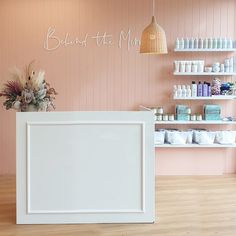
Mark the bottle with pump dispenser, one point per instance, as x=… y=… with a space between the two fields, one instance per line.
x=209 y=90
x=199 y=89
x=205 y=89
x=194 y=89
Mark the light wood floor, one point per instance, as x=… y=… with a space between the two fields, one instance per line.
x=193 y=206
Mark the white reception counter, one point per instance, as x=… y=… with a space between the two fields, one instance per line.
x=85 y=167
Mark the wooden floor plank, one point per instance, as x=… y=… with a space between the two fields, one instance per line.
x=185 y=205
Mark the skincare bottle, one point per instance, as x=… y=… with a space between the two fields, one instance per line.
x=184 y=91
x=234 y=64
x=224 y=43
x=219 y=43
x=191 y=43
x=177 y=44
x=214 y=43
x=222 y=68
x=205 y=43
x=205 y=89
x=175 y=91
x=179 y=91
x=181 y=43
x=200 y=43
x=209 y=90
x=199 y=89
x=230 y=43
x=210 y=43
x=196 y=43
x=186 y=43
x=189 y=92
x=194 y=89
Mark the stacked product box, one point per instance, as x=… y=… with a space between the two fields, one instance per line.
x=182 y=112
x=212 y=112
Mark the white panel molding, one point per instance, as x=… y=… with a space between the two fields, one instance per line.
x=95 y=211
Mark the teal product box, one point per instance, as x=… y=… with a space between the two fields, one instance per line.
x=182 y=112
x=212 y=112
x=184 y=117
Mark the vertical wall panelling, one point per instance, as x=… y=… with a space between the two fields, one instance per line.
x=107 y=77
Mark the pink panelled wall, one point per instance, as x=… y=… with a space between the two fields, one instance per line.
x=109 y=77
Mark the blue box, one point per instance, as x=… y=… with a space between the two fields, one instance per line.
x=212 y=112
x=182 y=112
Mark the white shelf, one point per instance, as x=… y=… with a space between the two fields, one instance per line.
x=205 y=73
x=214 y=97
x=194 y=146
x=203 y=122
x=206 y=50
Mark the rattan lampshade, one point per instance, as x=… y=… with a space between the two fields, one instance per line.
x=153 y=40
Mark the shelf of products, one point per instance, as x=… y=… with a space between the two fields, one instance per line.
x=206 y=50
x=205 y=73
x=166 y=145
x=203 y=122
x=205 y=91
x=205 y=44
x=214 y=97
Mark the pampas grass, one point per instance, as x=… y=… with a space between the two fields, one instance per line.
x=27 y=89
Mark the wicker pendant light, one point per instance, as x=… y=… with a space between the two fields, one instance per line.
x=153 y=40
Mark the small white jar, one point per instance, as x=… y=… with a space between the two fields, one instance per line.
x=160 y=110
x=199 y=117
x=159 y=117
x=165 y=117
x=193 y=117
x=171 y=117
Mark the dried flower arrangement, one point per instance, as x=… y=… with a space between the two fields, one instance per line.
x=28 y=91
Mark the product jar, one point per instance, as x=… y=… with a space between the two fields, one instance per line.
x=193 y=118
x=160 y=110
x=171 y=117
x=159 y=117
x=165 y=117
x=199 y=117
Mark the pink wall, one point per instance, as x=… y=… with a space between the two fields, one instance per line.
x=107 y=77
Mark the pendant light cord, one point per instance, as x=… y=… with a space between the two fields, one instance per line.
x=153 y=7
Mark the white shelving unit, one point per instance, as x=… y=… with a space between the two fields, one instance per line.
x=214 y=97
x=206 y=50
x=205 y=73
x=166 y=145
x=203 y=122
